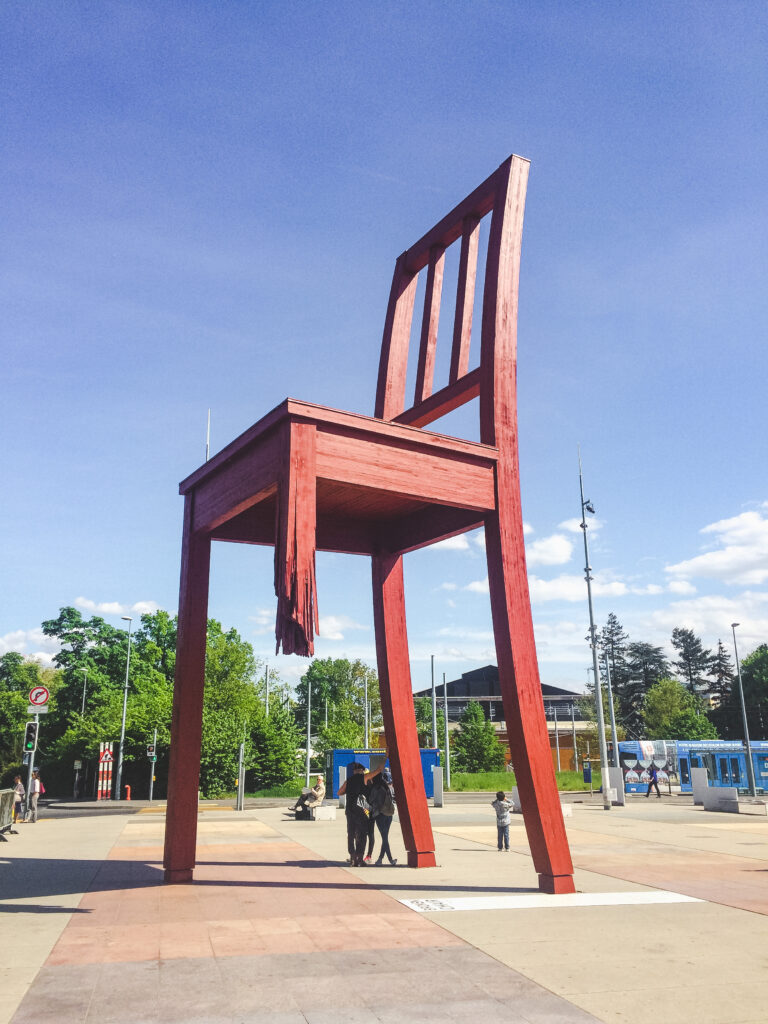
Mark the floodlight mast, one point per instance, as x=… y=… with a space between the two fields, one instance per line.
x=747 y=744
x=587 y=506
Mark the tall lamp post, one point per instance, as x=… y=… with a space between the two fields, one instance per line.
x=750 y=765
x=586 y=506
x=85 y=683
x=119 y=775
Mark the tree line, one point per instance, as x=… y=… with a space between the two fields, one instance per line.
x=693 y=695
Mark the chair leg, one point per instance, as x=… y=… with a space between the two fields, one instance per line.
x=187 y=722
x=397 y=709
x=523 y=706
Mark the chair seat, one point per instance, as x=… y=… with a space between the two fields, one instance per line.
x=377 y=484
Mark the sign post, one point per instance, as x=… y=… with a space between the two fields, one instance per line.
x=152 y=755
x=106 y=760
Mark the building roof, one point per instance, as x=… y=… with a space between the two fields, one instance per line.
x=484 y=682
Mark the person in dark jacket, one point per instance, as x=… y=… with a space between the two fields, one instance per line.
x=653 y=781
x=354 y=787
x=382 y=800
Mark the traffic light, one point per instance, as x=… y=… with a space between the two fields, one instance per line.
x=30 y=736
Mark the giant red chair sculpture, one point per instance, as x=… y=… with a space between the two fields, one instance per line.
x=306 y=477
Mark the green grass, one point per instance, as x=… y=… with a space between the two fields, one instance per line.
x=491 y=782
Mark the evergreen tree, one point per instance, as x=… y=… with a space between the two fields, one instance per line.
x=694 y=661
x=647 y=664
x=475 y=747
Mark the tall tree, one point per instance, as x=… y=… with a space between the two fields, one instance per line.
x=693 y=660
x=721 y=674
x=647 y=664
x=475 y=747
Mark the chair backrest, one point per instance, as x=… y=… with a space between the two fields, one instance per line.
x=502 y=195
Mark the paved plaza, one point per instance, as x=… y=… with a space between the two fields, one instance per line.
x=669 y=922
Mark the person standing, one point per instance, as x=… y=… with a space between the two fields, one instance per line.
x=18 y=797
x=383 y=804
x=36 y=787
x=653 y=781
x=357 y=810
x=503 y=808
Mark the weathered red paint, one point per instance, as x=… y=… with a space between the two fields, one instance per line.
x=382 y=486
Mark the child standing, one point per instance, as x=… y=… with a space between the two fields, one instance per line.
x=503 y=808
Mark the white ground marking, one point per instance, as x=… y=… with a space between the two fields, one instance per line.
x=538 y=901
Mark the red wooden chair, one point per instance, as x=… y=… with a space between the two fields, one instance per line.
x=307 y=477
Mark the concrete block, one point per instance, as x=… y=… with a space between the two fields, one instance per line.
x=722 y=798
x=616 y=783
x=325 y=812
x=567 y=810
x=700 y=784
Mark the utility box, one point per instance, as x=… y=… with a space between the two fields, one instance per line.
x=372 y=759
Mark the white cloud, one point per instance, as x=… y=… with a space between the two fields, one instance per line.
x=448 y=586
x=574 y=525
x=332 y=627
x=478 y=587
x=741 y=554
x=681 y=587
x=115 y=608
x=553 y=550
x=32 y=643
x=572 y=588
x=458 y=543
x=710 y=617
x=264 y=620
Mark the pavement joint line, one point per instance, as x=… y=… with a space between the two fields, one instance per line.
x=539 y=901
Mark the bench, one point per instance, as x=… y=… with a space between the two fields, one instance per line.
x=323 y=812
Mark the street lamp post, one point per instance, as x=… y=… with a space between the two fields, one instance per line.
x=586 y=506
x=750 y=765
x=612 y=713
x=119 y=775
x=85 y=683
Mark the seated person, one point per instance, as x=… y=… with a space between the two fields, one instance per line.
x=312 y=798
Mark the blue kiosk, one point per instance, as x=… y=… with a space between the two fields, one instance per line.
x=372 y=759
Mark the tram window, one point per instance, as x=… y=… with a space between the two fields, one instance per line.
x=709 y=764
x=695 y=762
x=735 y=773
x=724 y=776
x=684 y=774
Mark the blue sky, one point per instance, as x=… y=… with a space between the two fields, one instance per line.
x=202 y=204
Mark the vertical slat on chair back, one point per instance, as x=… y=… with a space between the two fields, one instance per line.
x=499 y=299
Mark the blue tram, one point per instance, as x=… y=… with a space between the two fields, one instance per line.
x=725 y=761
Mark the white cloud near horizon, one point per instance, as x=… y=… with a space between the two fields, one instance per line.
x=740 y=557
x=553 y=550
x=31 y=643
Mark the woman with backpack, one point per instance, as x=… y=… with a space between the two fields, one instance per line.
x=382 y=800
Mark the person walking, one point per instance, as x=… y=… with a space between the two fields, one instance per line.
x=383 y=804
x=653 y=781
x=36 y=788
x=357 y=810
x=18 y=797
x=503 y=808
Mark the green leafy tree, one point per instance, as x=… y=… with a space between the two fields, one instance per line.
x=671 y=711
x=693 y=662
x=340 y=683
x=475 y=747
x=423 y=707
x=18 y=675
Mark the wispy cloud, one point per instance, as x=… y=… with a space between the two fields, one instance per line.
x=115 y=607
x=741 y=554
x=334 y=627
